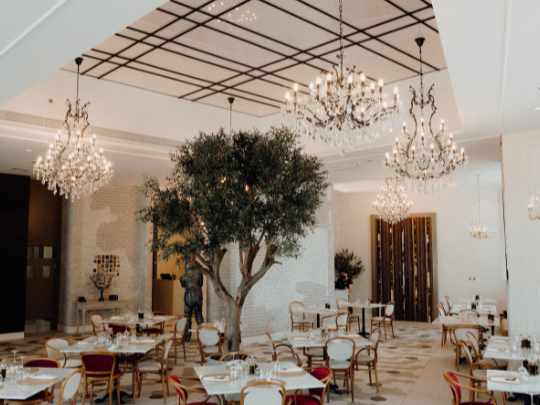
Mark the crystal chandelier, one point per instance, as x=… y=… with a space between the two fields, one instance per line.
x=342 y=109
x=72 y=166
x=534 y=202
x=392 y=205
x=479 y=230
x=425 y=162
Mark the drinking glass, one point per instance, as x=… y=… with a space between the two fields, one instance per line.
x=14 y=356
x=22 y=360
x=522 y=373
x=258 y=372
x=232 y=369
x=1 y=379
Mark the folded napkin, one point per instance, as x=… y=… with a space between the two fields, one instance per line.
x=301 y=338
x=43 y=377
x=505 y=380
x=499 y=350
x=113 y=348
x=146 y=341
x=160 y=317
x=86 y=343
x=116 y=317
x=290 y=369
x=216 y=379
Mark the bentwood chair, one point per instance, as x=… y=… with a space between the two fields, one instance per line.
x=340 y=359
x=352 y=318
x=209 y=341
x=460 y=334
x=183 y=390
x=457 y=387
x=98 y=325
x=477 y=354
x=323 y=374
x=69 y=391
x=342 y=322
x=157 y=329
x=449 y=303
x=298 y=317
x=100 y=368
x=369 y=357
x=263 y=393
x=155 y=365
x=447 y=331
x=232 y=399
x=477 y=369
x=386 y=319
x=54 y=346
x=287 y=350
x=42 y=396
x=178 y=337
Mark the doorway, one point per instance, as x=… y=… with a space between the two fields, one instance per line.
x=403 y=266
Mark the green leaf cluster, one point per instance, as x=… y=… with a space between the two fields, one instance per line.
x=347 y=262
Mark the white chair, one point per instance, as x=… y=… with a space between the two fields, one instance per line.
x=178 y=338
x=98 y=326
x=460 y=334
x=340 y=303
x=263 y=393
x=209 y=341
x=342 y=322
x=386 y=319
x=70 y=387
x=54 y=346
x=446 y=330
x=155 y=365
x=499 y=363
x=340 y=359
x=369 y=359
x=449 y=302
x=298 y=317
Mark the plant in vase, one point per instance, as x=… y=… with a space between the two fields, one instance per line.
x=259 y=191
x=102 y=280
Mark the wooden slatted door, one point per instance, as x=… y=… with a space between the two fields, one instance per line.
x=402 y=269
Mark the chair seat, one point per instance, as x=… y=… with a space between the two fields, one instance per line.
x=71 y=363
x=211 y=349
x=480 y=373
x=315 y=352
x=364 y=358
x=380 y=319
x=150 y=365
x=333 y=364
x=304 y=400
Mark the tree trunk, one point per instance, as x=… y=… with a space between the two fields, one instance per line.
x=232 y=329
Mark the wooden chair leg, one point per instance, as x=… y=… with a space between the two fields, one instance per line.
x=184 y=346
x=351 y=376
x=84 y=390
x=385 y=339
x=392 y=325
x=376 y=376
x=175 y=356
x=163 y=386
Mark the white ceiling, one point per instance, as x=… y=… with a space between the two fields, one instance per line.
x=255 y=50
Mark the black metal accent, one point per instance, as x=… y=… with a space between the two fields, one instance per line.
x=410 y=14
x=78 y=61
x=420 y=41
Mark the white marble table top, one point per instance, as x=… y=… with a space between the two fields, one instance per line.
x=141 y=346
x=482 y=300
x=320 y=311
x=234 y=387
x=533 y=384
x=22 y=392
x=362 y=305
x=122 y=320
x=298 y=340
x=499 y=348
x=457 y=321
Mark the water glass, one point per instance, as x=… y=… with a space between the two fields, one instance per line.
x=272 y=375
x=258 y=373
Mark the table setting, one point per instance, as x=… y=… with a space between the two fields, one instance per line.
x=367 y=304
x=21 y=382
x=317 y=338
x=125 y=343
x=513 y=348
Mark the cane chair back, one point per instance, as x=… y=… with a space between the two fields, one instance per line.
x=340 y=304
x=180 y=325
x=473 y=340
x=449 y=303
x=209 y=337
x=375 y=338
x=460 y=332
x=263 y=393
x=389 y=310
x=342 y=320
x=440 y=308
x=296 y=309
x=456 y=387
x=54 y=346
x=340 y=352
x=96 y=318
x=70 y=387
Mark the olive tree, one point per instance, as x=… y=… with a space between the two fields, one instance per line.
x=257 y=190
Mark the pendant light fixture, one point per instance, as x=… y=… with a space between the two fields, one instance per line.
x=480 y=230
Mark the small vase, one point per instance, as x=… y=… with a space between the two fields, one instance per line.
x=101 y=292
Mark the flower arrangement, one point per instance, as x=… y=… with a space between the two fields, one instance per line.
x=102 y=280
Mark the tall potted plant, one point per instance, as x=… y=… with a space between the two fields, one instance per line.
x=258 y=190
x=346 y=262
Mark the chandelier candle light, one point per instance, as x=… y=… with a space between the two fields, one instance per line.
x=424 y=158
x=342 y=108
x=392 y=205
x=75 y=167
x=534 y=202
x=479 y=230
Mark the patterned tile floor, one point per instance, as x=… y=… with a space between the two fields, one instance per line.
x=410 y=368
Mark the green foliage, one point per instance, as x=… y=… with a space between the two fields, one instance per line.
x=248 y=188
x=347 y=262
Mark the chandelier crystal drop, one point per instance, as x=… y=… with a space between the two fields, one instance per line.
x=425 y=159
x=392 y=205
x=342 y=109
x=74 y=167
x=534 y=202
x=480 y=230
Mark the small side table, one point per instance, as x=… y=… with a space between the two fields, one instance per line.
x=364 y=306
x=83 y=307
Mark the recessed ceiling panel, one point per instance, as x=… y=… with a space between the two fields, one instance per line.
x=114 y=44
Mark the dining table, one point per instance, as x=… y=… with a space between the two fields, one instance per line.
x=364 y=306
x=500 y=347
x=216 y=379
x=24 y=389
x=483 y=310
x=303 y=340
x=483 y=321
x=511 y=382
x=318 y=312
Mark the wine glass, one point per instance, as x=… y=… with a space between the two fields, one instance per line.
x=22 y=360
x=14 y=357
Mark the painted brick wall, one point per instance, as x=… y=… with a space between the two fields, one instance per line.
x=105 y=223
x=308 y=278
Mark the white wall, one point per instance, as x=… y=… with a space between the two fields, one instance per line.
x=521 y=172
x=458 y=255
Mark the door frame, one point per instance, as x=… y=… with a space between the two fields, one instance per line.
x=435 y=288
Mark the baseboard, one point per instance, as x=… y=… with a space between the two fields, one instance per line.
x=11 y=336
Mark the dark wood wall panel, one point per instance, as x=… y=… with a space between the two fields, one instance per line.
x=14 y=199
x=404 y=267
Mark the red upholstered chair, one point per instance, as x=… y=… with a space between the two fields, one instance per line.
x=116 y=328
x=183 y=391
x=456 y=387
x=100 y=368
x=323 y=374
x=42 y=396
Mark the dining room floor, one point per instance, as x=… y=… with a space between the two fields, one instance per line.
x=410 y=368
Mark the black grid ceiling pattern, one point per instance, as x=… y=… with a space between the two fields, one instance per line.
x=165 y=55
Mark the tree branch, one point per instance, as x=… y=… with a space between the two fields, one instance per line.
x=241 y=265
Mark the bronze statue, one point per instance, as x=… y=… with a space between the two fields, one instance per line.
x=192 y=281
